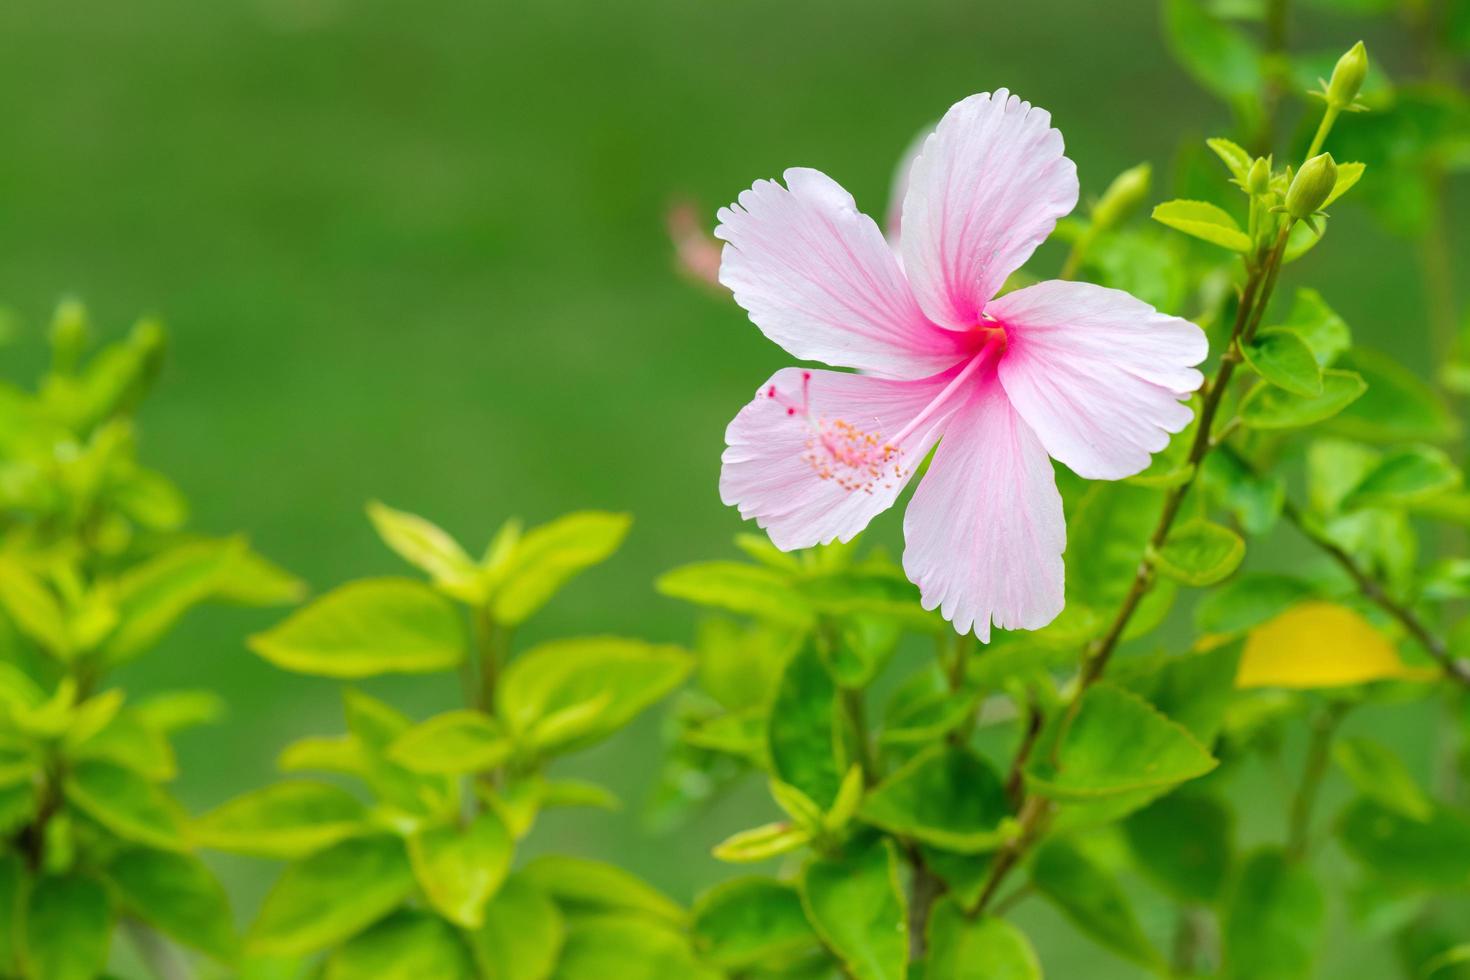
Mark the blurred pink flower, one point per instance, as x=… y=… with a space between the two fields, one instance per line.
x=1070 y=371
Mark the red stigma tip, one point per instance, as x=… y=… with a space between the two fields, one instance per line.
x=791 y=411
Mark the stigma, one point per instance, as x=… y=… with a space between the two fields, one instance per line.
x=857 y=459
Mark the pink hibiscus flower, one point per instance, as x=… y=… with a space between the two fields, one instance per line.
x=1091 y=377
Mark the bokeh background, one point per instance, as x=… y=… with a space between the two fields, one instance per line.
x=417 y=252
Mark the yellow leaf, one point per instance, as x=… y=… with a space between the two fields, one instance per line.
x=1319 y=644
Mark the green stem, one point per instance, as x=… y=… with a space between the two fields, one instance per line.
x=857 y=723
x=1299 y=827
x=1323 y=128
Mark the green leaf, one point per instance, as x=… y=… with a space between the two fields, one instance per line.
x=152 y=597
x=285 y=820
x=376 y=626
x=1335 y=467
x=1285 y=360
x=1089 y=896
x=761 y=843
x=34 y=608
x=1314 y=322
x=340 y=754
x=1184 y=843
x=251 y=579
x=1200 y=552
x=803 y=737
x=746 y=922
x=453 y=743
x=945 y=796
x=67 y=925
x=522 y=935
x=19 y=803
x=125 y=803
x=752 y=590
x=430 y=549
x=459 y=869
x=610 y=679
x=14 y=890
x=628 y=948
x=1398 y=406
x=1268 y=407
x=1303 y=238
x=964 y=948
x=582 y=886
x=331 y=895
x=177 y=894
x=548 y=557
x=1117 y=743
x=173 y=711
x=1348 y=174
x=1274 y=920
x=1192 y=689
x=375 y=726
x=1235 y=158
x=1221 y=58
x=1248 y=601
x=1205 y=221
x=1431 y=854
x=409 y=945
x=1382 y=777
x=856 y=904
x=1405 y=477
x=129 y=740
x=739 y=665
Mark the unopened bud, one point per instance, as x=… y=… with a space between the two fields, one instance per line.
x=1258 y=180
x=1126 y=192
x=1312 y=186
x=1348 y=76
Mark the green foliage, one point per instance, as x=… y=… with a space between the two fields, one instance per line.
x=1273 y=921
x=856 y=904
x=1087 y=894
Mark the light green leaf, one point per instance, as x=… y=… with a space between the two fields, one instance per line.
x=582 y=886
x=173 y=711
x=409 y=945
x=628 y=948
x=1255 y=499
x=1184 y=842
x=34 y=608
x=453 y=743
x=1248 y=601
x=1191 y=689
x=67 y=925
x=1205 y=221
x=1314 y=322
x=459 y=869
x=1274 y=920
x=522 y=935
x=177 y=894
x=375 y=726
x=331 y=895
x=1303 y=238
x=1430 y=854
x=614 y=679
x=125 y=803
x=129 y=740
x=1268 y=407
x=1406 y=477
x=1200 y=552
x=752 y=590
x=549 y=556
x=376 y=626
x=803 y=738
x=1398 y=406
x=1382 y=777
x=1089 y=896
x=750 y=921
x=964 y=948
x=761 y=843
x=251 y=579
x=340 y=754
x=857 y=905
x=1235 y=158
x=1117 y=743
x=286 y=820
x=1348 y=174
x=945 y=796
x=1220 y=57
x=1285 y=360
x=429 y=548
x=152 y=597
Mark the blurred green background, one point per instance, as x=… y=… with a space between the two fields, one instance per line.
x=416 y=252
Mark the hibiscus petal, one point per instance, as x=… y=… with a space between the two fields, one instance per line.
x=816 y=275
x=780 y=468
x=1097 y=373
x=988 y=188
x=984 y=533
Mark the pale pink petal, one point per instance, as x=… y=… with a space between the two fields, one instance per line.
x=899 y=189
x=780 y=468
x=816 y=275
x=984 y=533
x=1097 y=373
x=988 y=188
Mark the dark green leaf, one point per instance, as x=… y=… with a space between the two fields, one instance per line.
x=1285 y=360
x=409 y=945
x=1397 y=406
x=749 y=921
x=1273 y=923
x=1184 y=842
x=1405 y=477
x=1382 y=777
x=804 y=741
x=1267 y=407
x=962 y=948
x=1089 y=896
x=857 y=905
x=1314 y=321
x=125 y=803
x=945 y=796
x=1434 y=853
x=67 y=925
x=1248 y=601
x=1220 y=58
x=177 y=894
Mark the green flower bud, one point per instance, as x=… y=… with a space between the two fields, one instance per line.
x=1311 y=187
x=1126 y=192
x=71 y=335
x=1258 y=180
x=1348 y=76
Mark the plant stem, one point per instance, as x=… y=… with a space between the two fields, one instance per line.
x=1299 y=827
x=857 y=723
x=490 y=642
x=924 y=891
x=1323 y=128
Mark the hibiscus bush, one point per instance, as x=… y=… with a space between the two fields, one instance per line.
x=1176 y=548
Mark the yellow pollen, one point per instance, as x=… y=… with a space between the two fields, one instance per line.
x=853 y=458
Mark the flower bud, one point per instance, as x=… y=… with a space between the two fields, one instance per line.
x=1348 y=76
x=1311 y=187
x=1125 y=193
x=1258 y=180
x=71 y=334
